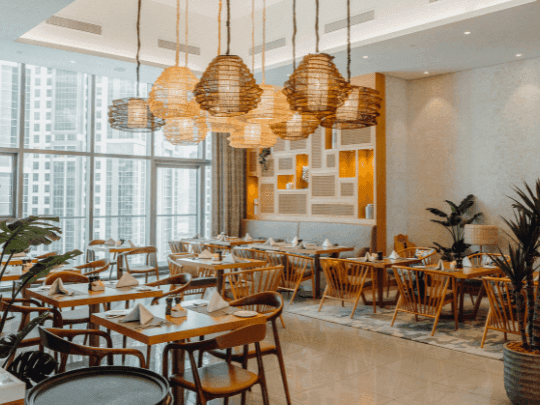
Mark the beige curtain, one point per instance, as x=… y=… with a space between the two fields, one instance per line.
x=228 y=186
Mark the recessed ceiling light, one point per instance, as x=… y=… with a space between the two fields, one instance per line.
x=426 y=73
x=519 y=55
x=467 y=32
x=72 y=61
x=365 y=56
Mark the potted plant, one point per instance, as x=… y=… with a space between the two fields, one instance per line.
x=454 y=223
x=263 y=155
x=522 y=358
x=17 y=237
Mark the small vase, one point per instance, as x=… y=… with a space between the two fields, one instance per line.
x=459 y=263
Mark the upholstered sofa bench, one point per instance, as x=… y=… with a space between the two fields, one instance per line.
x=361 y=237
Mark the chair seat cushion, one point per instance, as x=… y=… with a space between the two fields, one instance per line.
x=218 y=379
x=141 y=269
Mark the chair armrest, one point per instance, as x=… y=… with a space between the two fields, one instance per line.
x=97 y=271
x=71 y=333
x=102 y=352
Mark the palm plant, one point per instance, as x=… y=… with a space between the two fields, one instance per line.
x=525 y=232
x=454 y=223
x=17 y=237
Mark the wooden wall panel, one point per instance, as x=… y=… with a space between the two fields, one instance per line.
x=323 y=186
x=279 y=146
x=316 y=148
x=285 y=163
x=292 y=203
x=267 y=198
x=342 y=210
x=347 y=189
x=355 y=137
x=298 y=145
x=331 y=160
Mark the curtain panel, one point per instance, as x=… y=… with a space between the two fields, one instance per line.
x=228 y=186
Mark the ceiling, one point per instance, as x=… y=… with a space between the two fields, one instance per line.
x=410 y=39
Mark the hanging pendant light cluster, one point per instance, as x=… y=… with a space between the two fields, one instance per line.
x=186 y=131
x=227 y=88
x=363 y=104
x=132 y=114
x=316 y=87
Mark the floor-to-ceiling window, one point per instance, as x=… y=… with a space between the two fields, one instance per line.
x=59 y=156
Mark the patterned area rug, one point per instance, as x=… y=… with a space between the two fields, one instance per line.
x=466 y=339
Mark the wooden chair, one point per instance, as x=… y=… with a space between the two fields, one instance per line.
x=297 y=270
x=90 y=254
x=248 y=282
x=272 y=305
x=502 y=315
x=150 y=260
x=177 y=246
x=345 y=281
x=196 y=248
x=423 y=292
x=272 y=259
x=52 y=339
x=196 y=273
x=223 y=379
x=428 y=255
x=95 y=267
x=474 y=287
x=402 y=242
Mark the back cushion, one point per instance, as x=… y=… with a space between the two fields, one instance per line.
x=271 y=229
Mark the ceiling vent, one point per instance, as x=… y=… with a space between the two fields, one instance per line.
x=194 y=50
x=355 y=20
x=74 y=25
x=278 y=43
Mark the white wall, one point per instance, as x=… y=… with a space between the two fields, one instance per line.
x=473 y=132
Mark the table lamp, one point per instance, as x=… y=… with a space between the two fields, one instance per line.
x=481 y=235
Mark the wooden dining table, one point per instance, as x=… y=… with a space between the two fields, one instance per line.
x=93 y=299
x=10 y=275
x=178 y=330
x=229 y=242
x=311 y=250
x=219 y=267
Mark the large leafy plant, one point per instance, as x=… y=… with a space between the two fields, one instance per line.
x=17 y=237
x=520 y=267
x=454 y=223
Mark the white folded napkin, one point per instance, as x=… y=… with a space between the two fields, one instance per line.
x=270 y=242
x=221 y=237
x=110 y=242
x=127 y=280
x=467 y=262
x=327 y=243
x=230 y=258
x=196 y=236
x=248 y=237
x=205 y=254
x=440 y=265
x=57 y=287
x=368 y=257
x=295 y=241
x=216 y=302
x=139 y=313
x=394 y=255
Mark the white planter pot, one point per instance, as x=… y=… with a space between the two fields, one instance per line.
x=12 y=390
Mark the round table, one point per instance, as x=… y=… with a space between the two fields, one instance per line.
x=106 y=385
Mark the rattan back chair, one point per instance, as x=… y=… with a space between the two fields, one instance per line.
x=244 y=283
x=90 y=254
x=428 y=255
x=423 y=292
x=176 y=246
x=297 y=270
x=196 y=273
x=149 y=265
x=95 y=267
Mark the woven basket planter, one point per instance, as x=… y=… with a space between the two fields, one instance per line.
x=521 y=377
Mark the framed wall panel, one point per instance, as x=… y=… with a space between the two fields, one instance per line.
x=267 y=198
x=293 y=203
x=323 y=186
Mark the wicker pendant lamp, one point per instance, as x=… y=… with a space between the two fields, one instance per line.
x=316 y=87
x=363 y=105
x=132 y=114
x=186 y=131
x=172 y=93
x=299 y=126
x=273 y=107
x=227 y=88
x=252 y=136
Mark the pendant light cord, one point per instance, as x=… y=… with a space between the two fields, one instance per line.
x=294 y=35
x=219 y=27
x=264 y=43
x=177 y=30
x=252 y=36
x=228 y=26
x=138 y=43
x=186 y=49
x=317 y=25
x=349 y=41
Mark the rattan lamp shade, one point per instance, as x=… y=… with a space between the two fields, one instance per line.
x=481 y=234
x=223 y=124
x=185 y=131
x=133 y=115
x=172 y=94
x=227 y=88
x=316 y=87
x=253 y=136
x=272 y=108
x=300 y=126
x=360 y=110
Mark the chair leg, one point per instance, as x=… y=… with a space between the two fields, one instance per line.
x=313 y=286
x=282 y=321
x=505 y=336
x=226 y=401
x=437 y=319
x=395 y=312
x=200 y=359
x=355 y=305
x=148 y=355
x=294 y=293
x=486 y=331
x=323 y=298
x=264 y=390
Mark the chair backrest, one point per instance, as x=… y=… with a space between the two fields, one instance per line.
x=422 y=291
x=244 y=253
x=428 y=255
x=196 y=247
x=401 y=242
x=176 y=246
x=181 y=280
x=344 y=278
x=150 y=253
x=27 y=310
x=66 y=277
x=97 y=266
x=502 y=303
x=97 y=242
x=240 y=337
x=478 y=259
x=270 y=302
x=295 y=269
x=249 y=282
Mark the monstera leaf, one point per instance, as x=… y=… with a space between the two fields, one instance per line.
x=42 y=268
x=33 y=367
x=9 y=343
x=17 y=236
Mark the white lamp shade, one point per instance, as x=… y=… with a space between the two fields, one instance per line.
x=481 y=234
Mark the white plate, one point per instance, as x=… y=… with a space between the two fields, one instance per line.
x=117 y=312
x=44 y=287
x=246 y=314
x=144 y=288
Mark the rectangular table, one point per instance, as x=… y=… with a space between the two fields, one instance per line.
x=315 y=251
x=91 y=298
x=219 y=267
x=229 y=242
x=380 y=268
x=178 y=329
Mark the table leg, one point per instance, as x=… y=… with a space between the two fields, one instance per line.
x=94 y=340
x=380 y=286
x=219 y=275
x=119 y=265
x=178 y=366
x=481 y=295
x=317 y=269
x=461 y=298
x=454 y=296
